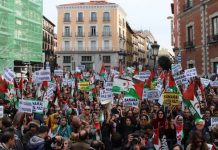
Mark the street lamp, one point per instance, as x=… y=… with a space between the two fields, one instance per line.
x=155 y=49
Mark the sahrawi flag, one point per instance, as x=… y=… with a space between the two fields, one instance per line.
x=102 y=71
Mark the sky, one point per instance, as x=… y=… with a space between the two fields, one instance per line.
x=141 y=15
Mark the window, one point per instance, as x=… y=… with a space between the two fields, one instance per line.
x=106 y=59
x=93 y=31
x=66 y=59
x=66 y=31
x=106 y=44
x=106 y=31
x=123 y=23
x=66 y=17
x=93 y=16
x=188 y=5
x=106 y=16
x=93 y=45
x=67 y=45
x=80 y=17
x=215 y=26
x=190 y=34
x=190 y=66
x=80 y=31
x=86 y=58
x=215 y=67
x=80 y=45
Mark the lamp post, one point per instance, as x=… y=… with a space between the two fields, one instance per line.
x=155 y=49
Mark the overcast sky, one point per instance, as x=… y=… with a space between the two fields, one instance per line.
x=141 y=15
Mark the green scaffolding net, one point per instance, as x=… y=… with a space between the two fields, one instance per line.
x=20 y=31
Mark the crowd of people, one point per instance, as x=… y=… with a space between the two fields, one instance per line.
x=74 y=121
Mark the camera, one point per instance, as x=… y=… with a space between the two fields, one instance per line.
x=136 y=138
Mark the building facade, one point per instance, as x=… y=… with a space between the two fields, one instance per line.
x=91 y=33
x=20 y=33
x=197 y=34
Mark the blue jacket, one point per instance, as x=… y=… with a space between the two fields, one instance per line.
x=36 y=143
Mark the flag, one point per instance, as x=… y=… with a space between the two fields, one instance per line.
x=131 y=93
x=120 y=85
x=194 y=107
x=136 y=71
x=139 y=87
x=45 y=84
x=120 y=70
x=156 y=140
x=151 y=77
x=188 y=94
x=21 y=84
x=102 y=71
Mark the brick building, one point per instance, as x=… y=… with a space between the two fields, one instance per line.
x=197 y=33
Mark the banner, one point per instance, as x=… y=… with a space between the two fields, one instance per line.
x=153 y=94
x=83 y=85
x=43 y=75
x=214 y=121
x=9 y=75
x=25 y=106
x=58 y=72
x=105 y=97
x=180 y=80
x=190 y=73
x=214 y=83
x=38 y=106
x=205 y=82
x=171 y=99
x=145 y=96
x=51 y=86
x=130 y=102
x=176 y=68
x=1 y=111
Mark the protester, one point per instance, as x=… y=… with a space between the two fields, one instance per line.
x=7 y=140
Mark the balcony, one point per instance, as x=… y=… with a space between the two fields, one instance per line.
x=79 y=20
x=189 y=45
x=93 y=34
x=187 y=6
x=213 y=39
x=80 y=34
x=67 y=20
x=106 y=19
x=93 y=19
x=66 y=34
x=105 y=34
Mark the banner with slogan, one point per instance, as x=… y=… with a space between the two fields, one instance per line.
x=130 y=102
x=105 y=97
x=214 y=121
x=9 y=75
x=214 y=83
x=83 y=85
x=1 y=111
x=59 y=72
x=171 y=99
x=38 y=106
x=180 y=80
x=189 y=73
x=176 y=68
x=68 y=82
x=25 y=106
x=145 y=96
x=143 y=75
x=108 y=86
x=153 y=94
x=50 y=93
x=43 y=75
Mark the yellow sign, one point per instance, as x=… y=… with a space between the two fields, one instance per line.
x=83 y=85
x=171 y=99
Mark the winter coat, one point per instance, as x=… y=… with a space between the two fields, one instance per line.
x=36 y=143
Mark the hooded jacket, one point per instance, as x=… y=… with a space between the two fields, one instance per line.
x=36 y=143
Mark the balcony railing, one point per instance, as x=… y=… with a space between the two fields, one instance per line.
x=93 y=20
x=189 y=45
x=213 y=39
x=106 y=19
x=91 y=34
x=106 y=33
x=80 y=34
x=67 y=20
x=187 y=6
x=66 y=34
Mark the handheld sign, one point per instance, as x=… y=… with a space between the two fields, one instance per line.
x=59 y=72
x=1 y=111
x=9 y=75
x=190 y=73
x=105 y=97
x=176 y=68
x=153 y=94
x=171 y=99
x=130 y=102
x=25 y=106
x=214 y=121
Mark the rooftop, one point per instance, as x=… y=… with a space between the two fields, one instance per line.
x=91 y=2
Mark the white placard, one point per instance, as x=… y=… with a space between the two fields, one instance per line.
x=25 y=106
x=105 y=97
x=1 y=111
x=214 y=83
x=153 y=94
x=38 y=106
x=43 y=75
x=176 y=68
x=190 y=73
x=51 y=86
x=50 y=93
x=180 y=80
x=130 y=102
x=59 y=72
x=81 y=67
x=108 y=86
x=143 y=75
x=9 y=74
x=214 y=121
x=205 y=82
x=145 y=94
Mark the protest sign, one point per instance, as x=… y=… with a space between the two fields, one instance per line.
x=176 y=68
x=205 y=82
x=1 y=111
x=25 y=106
x=59 y=72
x=108 y=86
x=80 y=68
x=43 y=75
x=145 y=93
x=190 y=73
x=214 y=83
x=181 y=80
x=51 y=86
x=38 y=106
x=50 y=93
x=105 y=97
x=152 y=94
x=83 y=85
x=9 y=75
x=214 y=121
x=171 y=99
x=130 y=102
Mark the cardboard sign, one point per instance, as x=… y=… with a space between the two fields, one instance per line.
x=38 y=106
x=130 y=102
x=214 y=83
x=83 y=85
x=1 y=111
x=105 y=97
x=25 y=106
x=176 y=68
x=189 y=73
x=171 y=99
x=180 y=79
x=153 y=94
x=205 y=82
x=214 y=121
x=43 y=75
x=9 y=74
x=59 y=72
